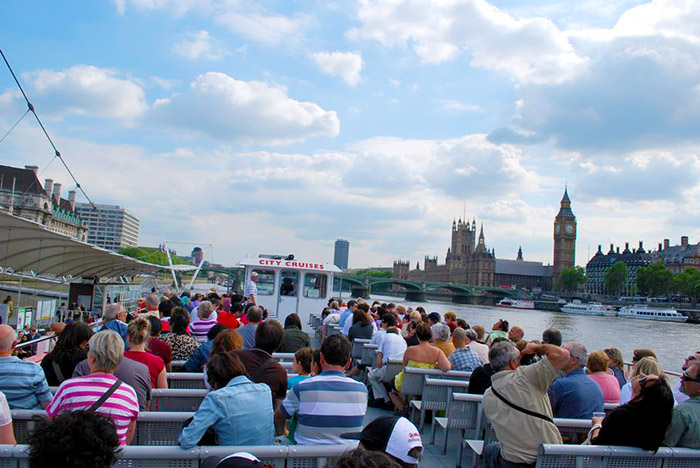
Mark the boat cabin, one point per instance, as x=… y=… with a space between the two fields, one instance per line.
x=286 y=285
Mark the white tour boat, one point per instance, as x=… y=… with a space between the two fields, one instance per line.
x=590 y=308
x=652 y=313
x=516 y=303
x=286 y=285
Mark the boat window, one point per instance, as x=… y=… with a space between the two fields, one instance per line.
x=290 y=282
x=315 y=285
x=266 y=282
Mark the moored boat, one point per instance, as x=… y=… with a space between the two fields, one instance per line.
x=652 y=313
x=590 y=308
x=516 y=303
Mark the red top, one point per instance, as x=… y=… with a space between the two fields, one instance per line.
x=161 y=349
x=154 y=363
x=244 y=319
x=165 y=326
x=228 y=320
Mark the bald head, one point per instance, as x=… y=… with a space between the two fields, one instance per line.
x=7 y=339
x=578 y=355
x=516 y=334
x=459 y=338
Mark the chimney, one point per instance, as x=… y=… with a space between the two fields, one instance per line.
x=641 y=247
x=618 y=250
x=660 y=247
x=684 y=241
x=33 y=168
x=57 y=192
x=612 y=249
x=667 y=244
x=48 y=184
x=71 y=199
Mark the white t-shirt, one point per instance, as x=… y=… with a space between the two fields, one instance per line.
x=5 y=415
x=347 y=325
x=392 y=346
x=377 y=336
x=481 y=350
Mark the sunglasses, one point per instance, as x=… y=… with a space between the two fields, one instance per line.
x=687 y=378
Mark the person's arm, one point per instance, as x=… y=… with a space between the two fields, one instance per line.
x=162 y=379
x=285 y=409
x=131 y=432
x=378 y=363
x=7 y=435
x=557 y=355
x=42 y=391
x=196 y=362
x=206 y=416
x=675 y=430
x=442 y=361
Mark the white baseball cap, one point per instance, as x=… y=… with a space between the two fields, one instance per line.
x=394 y=435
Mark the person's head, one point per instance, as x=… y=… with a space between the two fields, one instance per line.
x=389 y=321
x=400 y=311
x=395 y=436
x=552 y=336
x=597 y=362
x=441 y=332
x=695 y=357
x=336 y=351
x=165 y=308
x=302 y=361
x=105 y=351
x=237 y=309
x=690 y=380
x=516 y=333
x=268 y=336
x=115 y=311
x=316 y=362
x=500 y=325
x=480 y=332
x=450 y=316
x=156 y=325
x=459 y=338
x=138 y=331
x=433 y=318
x=73 y=337
x=363 y=458
x=179 y=321
x=77 y=439
x=638 y=354
x=152 y=302
x=214 y=331
x=255 y=314
x=225 y=341
x=205 y=309
x=415 y=316
x=352 y=305
x=615 y=356
x=647 y=366
x=359 y=316
x=469 y=334
x=578 y=356
x=334 y=305
x=461 y=323
x=254 y=276
x=423 y=332
x=291 y=321
x=221 y=368
x=504 y=355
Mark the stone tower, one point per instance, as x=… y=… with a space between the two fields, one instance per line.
x=564 y=237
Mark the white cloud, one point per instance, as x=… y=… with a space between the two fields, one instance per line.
x=85 y=90
x=346 y=65
x=245 y=111
x=200 y=45
x=532 y=50
x=163 y=82
x=178 y=7
x=459 y=106
x=264 y=27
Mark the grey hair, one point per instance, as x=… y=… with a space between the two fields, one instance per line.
x=112 y=310
x=107 y=347
x=441 y=332
x=459 y=334
x=152 y=301
x=501 y=354
x=579 y=351
x=471 y=334
x=206 y=308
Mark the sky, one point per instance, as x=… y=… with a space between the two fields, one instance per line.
x=280 y=126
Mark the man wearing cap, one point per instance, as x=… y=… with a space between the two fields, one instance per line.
x=251 y=289
x=573 y=396
x=394 y=435
x=499 y=330
x=329 y=404
x=433 y=318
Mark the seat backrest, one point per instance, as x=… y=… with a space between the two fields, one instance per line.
x=7 y=459
x=24 y=422
x=315 y=456
x=368 y=353
x=186 y=380
x=269 y=455
x=158 y=457
x=176 y=399
x=160 y=428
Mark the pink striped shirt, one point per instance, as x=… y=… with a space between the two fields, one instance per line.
x=79 y=393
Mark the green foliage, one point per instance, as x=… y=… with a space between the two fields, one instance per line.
x=688 y=283
x=367 y=273
x=654 y=279
x=615 y=278
x=571 y=279
x=150 y=255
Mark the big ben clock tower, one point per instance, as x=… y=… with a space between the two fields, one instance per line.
x=564 y=237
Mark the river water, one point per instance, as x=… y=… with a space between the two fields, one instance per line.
x=671 y=342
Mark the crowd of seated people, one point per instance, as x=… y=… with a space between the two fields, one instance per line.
x=253 y=400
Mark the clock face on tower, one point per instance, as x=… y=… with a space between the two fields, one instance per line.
x=569 y=229
x=557 y=228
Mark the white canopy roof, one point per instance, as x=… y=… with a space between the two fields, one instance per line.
x=26 y=246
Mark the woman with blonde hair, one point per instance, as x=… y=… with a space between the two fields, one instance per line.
x=645 y=366
x=137 y=334
x=598 y=371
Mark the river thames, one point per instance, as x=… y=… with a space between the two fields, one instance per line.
x=671 y=342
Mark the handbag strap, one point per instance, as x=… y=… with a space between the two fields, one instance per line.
x=57 y=371
x=104 y=396
x=518 y=408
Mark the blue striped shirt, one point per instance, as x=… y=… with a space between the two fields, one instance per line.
x=327 y=405
x=23 y=383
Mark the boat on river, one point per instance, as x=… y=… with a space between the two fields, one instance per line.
x=652 y=313
x=589 y=308
x=516 y=303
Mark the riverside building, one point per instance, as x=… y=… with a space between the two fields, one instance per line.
x=111 y=227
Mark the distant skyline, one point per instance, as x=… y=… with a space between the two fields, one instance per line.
x=278 y=127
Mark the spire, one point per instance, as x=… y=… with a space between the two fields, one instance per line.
x=481 y=234
x=454 y=224
x=565 y=198
x=520 y=254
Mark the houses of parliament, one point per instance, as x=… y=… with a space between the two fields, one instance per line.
x=469 y=261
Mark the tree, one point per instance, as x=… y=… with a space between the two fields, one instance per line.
x=150 y=255
x=688 y=283
x=615 y=278
x=654 y=279
x=571 y=279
